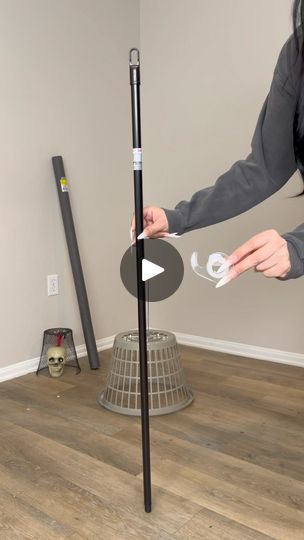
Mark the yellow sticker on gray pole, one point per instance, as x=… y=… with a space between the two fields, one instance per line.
x=64 y=184
x=137 y=159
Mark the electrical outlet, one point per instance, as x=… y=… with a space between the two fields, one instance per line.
x=52 y=285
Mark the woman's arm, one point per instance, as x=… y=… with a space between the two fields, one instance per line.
x=269 y=166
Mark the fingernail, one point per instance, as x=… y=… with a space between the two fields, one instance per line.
x=223 y=281
x=131 y=234
x=230 y=261
x=142 y=236
x=224 y=266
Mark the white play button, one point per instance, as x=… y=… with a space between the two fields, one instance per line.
x=150 y=270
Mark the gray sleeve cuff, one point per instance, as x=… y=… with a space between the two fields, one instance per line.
x=175 y=220
x=297 y=263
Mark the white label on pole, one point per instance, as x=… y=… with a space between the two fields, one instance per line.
x=137 y=159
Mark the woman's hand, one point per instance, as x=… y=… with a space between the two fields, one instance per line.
x=155 y=223
x=267 y=252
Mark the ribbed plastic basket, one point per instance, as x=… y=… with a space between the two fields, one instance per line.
x=168 y=391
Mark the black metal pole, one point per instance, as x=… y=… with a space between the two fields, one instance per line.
x=141 y=296
x=67 y=216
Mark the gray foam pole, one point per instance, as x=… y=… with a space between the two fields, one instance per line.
x=68 y=222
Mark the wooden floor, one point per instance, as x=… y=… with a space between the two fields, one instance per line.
x=229 y=467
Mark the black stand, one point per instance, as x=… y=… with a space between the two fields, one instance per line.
x=141 y=293
x=68 y=222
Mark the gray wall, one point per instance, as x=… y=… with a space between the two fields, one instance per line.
x=207 y=67
x=64 y=90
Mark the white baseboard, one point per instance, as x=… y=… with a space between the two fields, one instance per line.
x=229 y=347
x=30 y=366
x=241 y=349
x=18 y=369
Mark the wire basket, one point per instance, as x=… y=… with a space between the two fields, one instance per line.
x=50 y=339
x=168 y=391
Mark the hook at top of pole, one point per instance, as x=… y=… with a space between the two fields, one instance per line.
x=134 y=67
x=131 y=55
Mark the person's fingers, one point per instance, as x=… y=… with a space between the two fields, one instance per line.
x=267 y=263
x=266 y=252
x=160 y=235
x=248 y=247
x=155 y=229
x=148 y=218
x=254 y=259
x=131 y=236
x=155 y=236
x=154 y=222
x=280 y=258
x=276 y=271
x=270 y=237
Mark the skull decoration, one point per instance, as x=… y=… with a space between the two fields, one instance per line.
x=56 y=360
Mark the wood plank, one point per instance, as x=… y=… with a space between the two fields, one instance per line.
x=274 y=397
x=30 y=399
x=240 y=473
x=47 y=385
x=81 y=437
x=117 y=490
x=230 y=466
x=230 y=361
x=19 y=519
x=264 y=387
x=209 y=525
x=227 y=365
x=76 y=509
x=252 y=511
x=276 y=457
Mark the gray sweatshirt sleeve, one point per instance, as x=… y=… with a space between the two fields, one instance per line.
x=295 y=240
x=268 y=167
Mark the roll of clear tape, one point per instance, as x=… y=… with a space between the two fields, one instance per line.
x=210 y=270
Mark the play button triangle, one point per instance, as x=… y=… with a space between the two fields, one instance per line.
x=150 y=270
